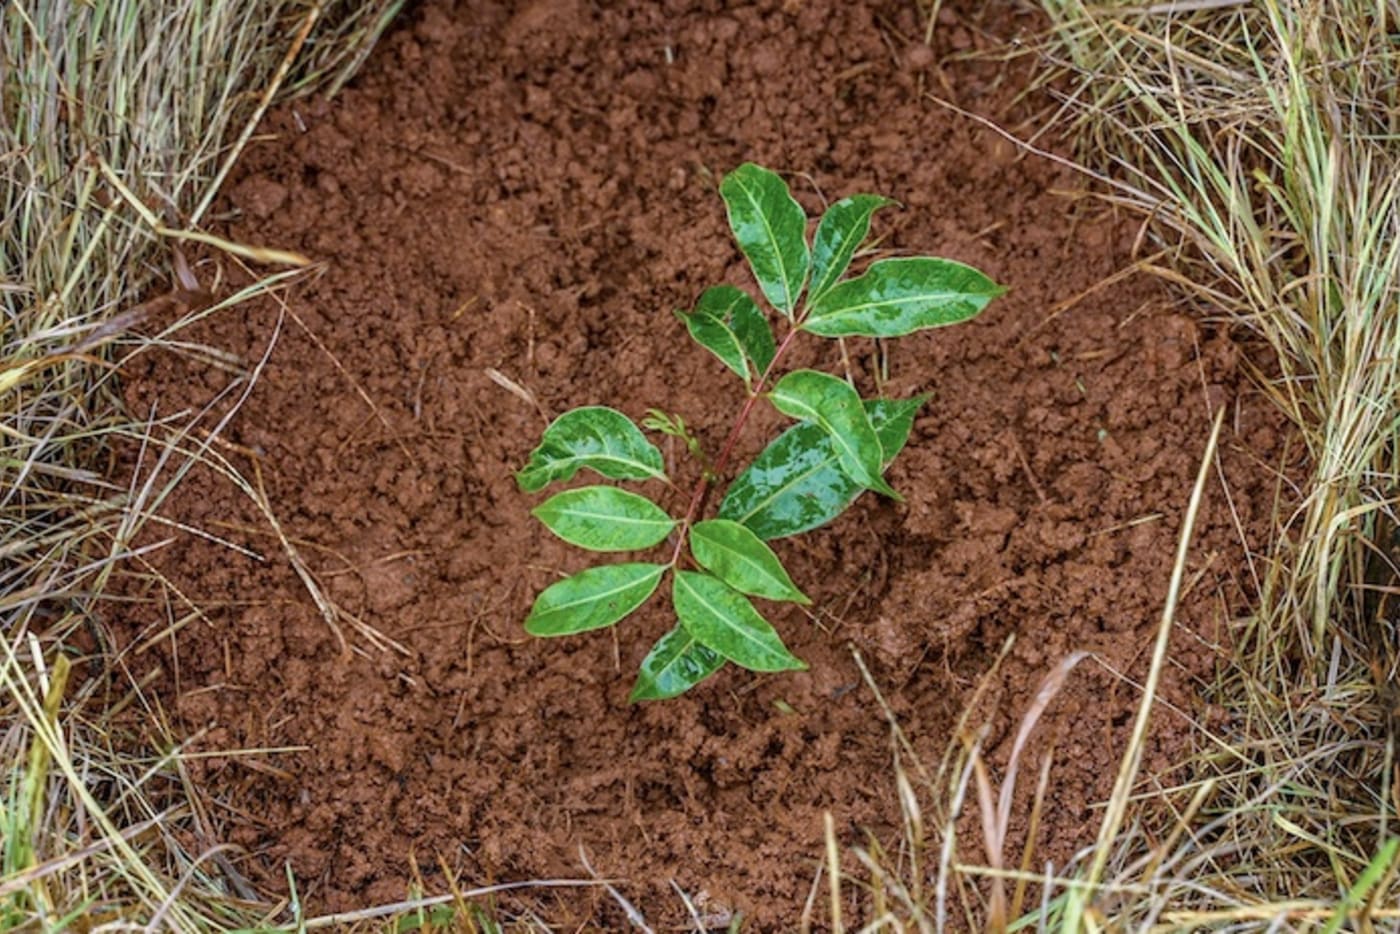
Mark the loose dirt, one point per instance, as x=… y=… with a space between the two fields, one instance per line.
x=529 y=189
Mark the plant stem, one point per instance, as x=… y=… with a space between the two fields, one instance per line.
x=702 y=486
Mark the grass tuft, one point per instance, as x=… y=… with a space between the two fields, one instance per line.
x=1262 y=140
x=118 y=120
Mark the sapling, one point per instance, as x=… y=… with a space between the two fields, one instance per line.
x=807 y=476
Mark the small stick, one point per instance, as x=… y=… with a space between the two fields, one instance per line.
x=1030 y=474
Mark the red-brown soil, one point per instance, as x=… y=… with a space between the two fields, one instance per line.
x=530 y=188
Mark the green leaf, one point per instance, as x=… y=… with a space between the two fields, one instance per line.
x=728 y=323
x=796 y=483
x=900 y=296
x=716 y=337
x=841 y=232
x=738 y=557
x=771 y=230
x=675 y=664
x=722 y=619
x=596 y=437
x=593 y=598
x=893 y=419
x=603 y=518
x=834 y=406
x=741 y=316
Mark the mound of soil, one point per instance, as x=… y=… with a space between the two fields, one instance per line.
x=527 y=191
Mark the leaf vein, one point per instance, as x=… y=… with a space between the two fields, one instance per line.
x=598 y=597
x=773 y=239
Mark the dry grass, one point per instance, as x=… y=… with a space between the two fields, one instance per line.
x=118 y=121
x=1262 y=139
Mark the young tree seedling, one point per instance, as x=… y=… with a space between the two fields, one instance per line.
x=806 y=477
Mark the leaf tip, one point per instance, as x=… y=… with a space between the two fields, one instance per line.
x=885 y=489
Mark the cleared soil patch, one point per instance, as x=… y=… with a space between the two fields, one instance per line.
x=531 y=189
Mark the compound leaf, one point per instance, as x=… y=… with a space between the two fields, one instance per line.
x=596 y=437
x=899 y=296
x=722 y=619
x=841 y=232
x=796 y=483
x=604 y=518
x=834 y=406
x=771 y=230
x=593 y=599
x=738 y=557
x=675 y=664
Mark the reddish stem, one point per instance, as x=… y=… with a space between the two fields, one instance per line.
x=702 y=486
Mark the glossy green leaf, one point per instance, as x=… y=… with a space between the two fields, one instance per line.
x=722 y=619
x=899 y=296
x=841 y=232
x=716 y=337
x=737 y=556
x=893 y=419
x=741 y=315
x=796 y=483
x=749 y=324
x=675 y=664
x=834 y=406
x=596 y=437
x=604 y=518
x=771 y=230
x=728 y=323
x=593 y=598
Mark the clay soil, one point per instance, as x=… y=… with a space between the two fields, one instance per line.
x=530 y=189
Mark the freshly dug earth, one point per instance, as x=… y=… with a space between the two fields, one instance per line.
x=530 y=189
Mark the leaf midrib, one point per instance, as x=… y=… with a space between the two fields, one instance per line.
x=610 y=458
x=797 y=478
x=837 y=438
x=743 y=633
x=657 y=570
x=613 y=517
x=926 y=296
x=817 y=290
x=675 y=660
x=772 y=238
x=759 y=569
